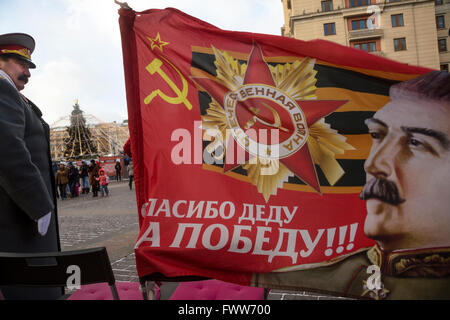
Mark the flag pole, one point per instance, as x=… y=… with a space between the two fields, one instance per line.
x=123 y=5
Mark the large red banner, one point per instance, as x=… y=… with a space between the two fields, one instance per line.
x=248 y=149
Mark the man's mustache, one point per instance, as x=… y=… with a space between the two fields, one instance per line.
x=381 y=189
x=23 y=78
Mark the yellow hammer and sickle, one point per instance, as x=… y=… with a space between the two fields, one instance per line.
x=276 y=118
x=155 y=67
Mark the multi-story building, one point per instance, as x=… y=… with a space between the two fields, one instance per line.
x=411 y=31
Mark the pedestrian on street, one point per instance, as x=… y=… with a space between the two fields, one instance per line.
x=55 y=168
x=118 y=168
x=131 y=174
x=62 y=179
x=74 y=178
x=93 y=174
x=28 y=219
x=103 y=181
x=84 y=174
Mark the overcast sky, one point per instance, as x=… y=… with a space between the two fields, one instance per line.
x=78 y=49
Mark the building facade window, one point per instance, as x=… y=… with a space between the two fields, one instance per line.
x=369 y=46
x=399 y=44
x=444 y=67
x=440 y=22
x=359 y=24
x=359 y=3
x=397 y=20
x=329 y=28
x=442 y=44
x=438 y=2
x=288 y=4
x=327 y=5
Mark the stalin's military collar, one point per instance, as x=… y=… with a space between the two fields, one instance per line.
x=424 y=263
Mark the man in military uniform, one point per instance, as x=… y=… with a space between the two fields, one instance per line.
x=407 y=197
x=28 y=218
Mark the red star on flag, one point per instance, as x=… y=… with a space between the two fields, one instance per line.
x=157 y=42
x=258 y=73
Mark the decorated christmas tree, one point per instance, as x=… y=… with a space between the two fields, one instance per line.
x=79 y=143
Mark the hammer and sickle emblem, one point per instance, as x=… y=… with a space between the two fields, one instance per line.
x=276 y=118
x=181 y=95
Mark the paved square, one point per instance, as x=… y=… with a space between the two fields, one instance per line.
x=112 y=222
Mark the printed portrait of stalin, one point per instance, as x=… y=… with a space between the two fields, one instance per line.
x=407 y=194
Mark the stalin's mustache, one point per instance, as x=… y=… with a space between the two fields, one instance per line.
x=381 y=189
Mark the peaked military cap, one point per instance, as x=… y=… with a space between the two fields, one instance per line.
x=20 y=45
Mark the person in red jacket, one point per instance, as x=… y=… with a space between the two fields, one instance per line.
x=103 y=181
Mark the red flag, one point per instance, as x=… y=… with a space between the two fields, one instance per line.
x=248 y=149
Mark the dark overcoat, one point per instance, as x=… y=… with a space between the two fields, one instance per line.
x=27 y=184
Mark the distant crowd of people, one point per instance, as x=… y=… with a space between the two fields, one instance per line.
x=72 y=180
